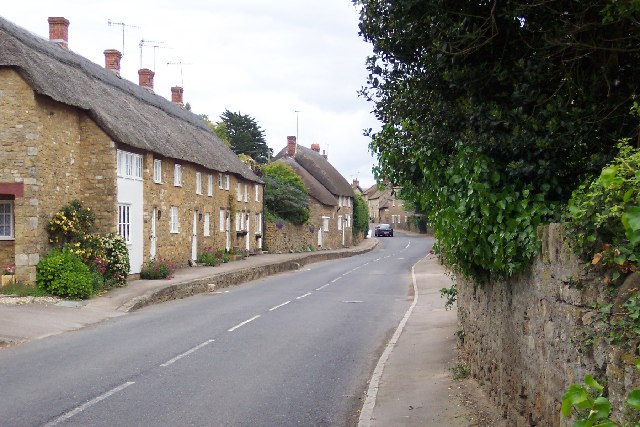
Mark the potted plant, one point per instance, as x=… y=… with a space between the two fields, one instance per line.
x=8 y=276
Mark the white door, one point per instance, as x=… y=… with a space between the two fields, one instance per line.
x=154 y=237
x=246 y=239
x=227 y=230
x=194 y=237
x=343 y=227
x=320 y=237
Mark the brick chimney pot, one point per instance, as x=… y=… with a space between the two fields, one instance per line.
x=145 y=76
x=59 y=31
x=176 y=95
x=291 y=146
x=316 y=148
x=112 y=59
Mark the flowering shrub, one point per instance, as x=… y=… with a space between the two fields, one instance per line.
x=116 y=255
x=70 y=224
x=11 y=270
x=63 y=273
x=208 y=257
x=158 y=268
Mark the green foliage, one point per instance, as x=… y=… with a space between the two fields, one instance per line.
x=605 y=216
x=593 y=408
x=360 y=216
x=63 y=274
x=158 y=268
x=460 y=371
x=493 y=112
x=450 y=294
x=285 y=195
x=23 y=290
x=208 y=257
x=117 y=256
x=70 y=224
x=245 y=136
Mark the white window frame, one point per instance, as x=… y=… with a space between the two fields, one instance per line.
x=220 y=180
x=325 y=223
x=157 y=171
x=347 y=218
x=238 y=222
x=227 y=185
x=129 y=165
x=258 y=226
x=124 y=221
x=223 y=219
x=198 y=182
x=177 y=175
x=207 y=225
x=239 y=192
x=209 y=185
x=257 y=192
x=174 y=220
x=10 y=215
x=348 y=202
x=246 y=193
x=339 y=222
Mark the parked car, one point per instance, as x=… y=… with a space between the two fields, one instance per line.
x=383 y=230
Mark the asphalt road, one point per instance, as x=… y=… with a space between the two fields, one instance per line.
x=295 y=349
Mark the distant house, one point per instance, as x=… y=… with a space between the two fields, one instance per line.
x=149 y=169
x=385 y=207
x=330 y=195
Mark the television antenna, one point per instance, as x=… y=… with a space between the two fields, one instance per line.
x=123 y=25
x=297 y=113
x=155 y=45
x=179 y=64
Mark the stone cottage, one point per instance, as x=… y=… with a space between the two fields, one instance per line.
x=330 y=195
x=149 y=169
x=385 y=207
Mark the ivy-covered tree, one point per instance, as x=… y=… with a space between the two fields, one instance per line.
x=245 y=136
x=285 y=195
x=360 y=216
x=493 y=112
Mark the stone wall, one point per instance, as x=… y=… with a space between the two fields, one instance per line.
x=524 y=338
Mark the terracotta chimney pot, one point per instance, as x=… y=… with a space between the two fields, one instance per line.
x=316 y=148
x=59 y=31
x=176 y=95
x=145 y=76
x=112 y=59
x=291 y=146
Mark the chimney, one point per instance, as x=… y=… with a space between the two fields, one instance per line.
x=356 y=183
x=112 y=60
x=146 y=78
x=176 y=95
x=324 y=154
x=59 y=31
x=291 y=146
x=316 y=148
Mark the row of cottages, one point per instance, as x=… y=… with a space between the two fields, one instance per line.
x=330 y=195
x=149 y=169
x=384 y=207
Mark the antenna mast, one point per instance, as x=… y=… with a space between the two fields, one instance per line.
x=155 y=44
x=180 y=64
x=123 y=25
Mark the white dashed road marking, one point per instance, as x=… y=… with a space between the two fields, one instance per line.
x=243 y=323
x=186 y=353
x=278 y=306
x=303 y=296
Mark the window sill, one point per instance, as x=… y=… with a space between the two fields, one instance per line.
x=7 y=239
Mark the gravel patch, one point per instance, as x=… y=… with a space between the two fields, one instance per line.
x=16 y=300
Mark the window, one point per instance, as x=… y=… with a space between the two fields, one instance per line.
x=220 y=181
x=207 y=224
x=226 y=182
x=257 y=187
x=173 y=220
x=242 y=225
x=348 y=202
x=339 y=222
x=325 y=223
x=124 y=222
x=246 y=193
x=198 y=183
x=238 y=222
x=6 y=219
x=177 y=175
x=209 y=185
x=340 y=201
x=239 y=192
x=222 y=219
x=129 y=165
x=258 y=226
x=157 y=171
x=347 y=221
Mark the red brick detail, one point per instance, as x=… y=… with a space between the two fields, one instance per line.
x=145 y=76
x=291 y=146
x=112 y=59
x=176 y=95
x=315 y=147
x=59 y=31
x=14 y=188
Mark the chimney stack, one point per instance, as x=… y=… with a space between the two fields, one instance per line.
x=316 y=148
x=112 y=60
x=291 y=146
x=356 y=183
x=59 y=31
x=324 y=154
x=176 y=95
x=145 y=76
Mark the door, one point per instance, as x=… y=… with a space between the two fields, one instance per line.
x=246 y=240
x=194 y=237
x=154 y=238
x=227 y=231
x=320 y=237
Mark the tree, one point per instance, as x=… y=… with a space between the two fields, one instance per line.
x=493 y=112
x=245 y=136
x=360 y=216
x=285 y=195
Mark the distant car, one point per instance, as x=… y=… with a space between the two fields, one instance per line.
x=383 y=230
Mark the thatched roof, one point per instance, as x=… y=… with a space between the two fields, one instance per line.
x=316 y=190
x=128 y=113
x=320 y=168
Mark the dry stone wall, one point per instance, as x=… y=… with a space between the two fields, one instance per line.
x=524 y=339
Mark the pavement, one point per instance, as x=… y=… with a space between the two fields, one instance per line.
x=411 y=385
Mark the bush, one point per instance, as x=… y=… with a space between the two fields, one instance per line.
x=208 y=257
x=285 y=195
x=62 y=273
x=360 y=216
x=158 y=268
x=117 y=257
x=70 y=224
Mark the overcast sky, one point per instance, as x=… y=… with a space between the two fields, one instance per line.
x=263 y=58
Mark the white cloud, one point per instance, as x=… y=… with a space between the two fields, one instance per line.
x=265 y=59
